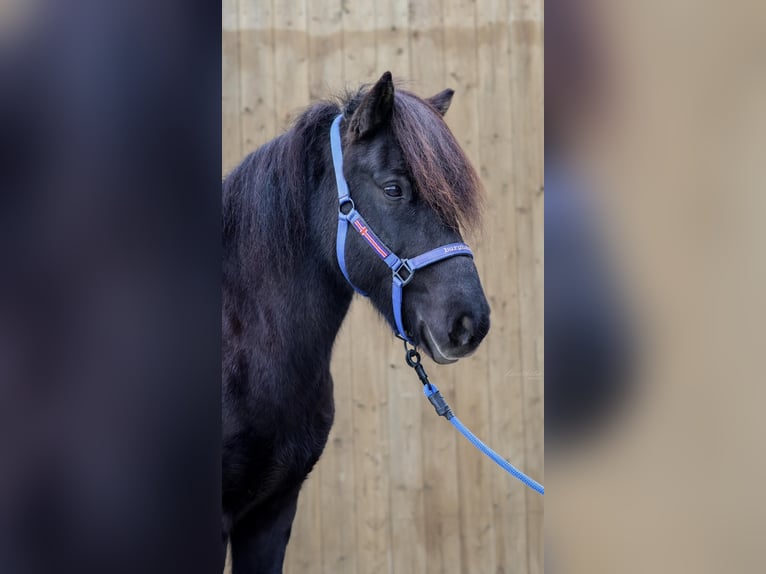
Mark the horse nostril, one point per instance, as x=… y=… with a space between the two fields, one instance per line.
x=461 y=334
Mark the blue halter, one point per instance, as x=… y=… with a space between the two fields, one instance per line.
x=403 y=269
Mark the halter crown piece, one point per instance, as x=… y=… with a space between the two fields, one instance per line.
x=403 y=269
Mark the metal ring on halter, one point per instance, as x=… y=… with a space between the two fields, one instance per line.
x=346 y=201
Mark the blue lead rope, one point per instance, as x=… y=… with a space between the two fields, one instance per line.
x=430 y=390
x=442 y=409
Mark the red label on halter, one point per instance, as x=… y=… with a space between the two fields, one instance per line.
x=367 y=234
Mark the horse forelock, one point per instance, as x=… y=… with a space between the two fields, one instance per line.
x=439 y=168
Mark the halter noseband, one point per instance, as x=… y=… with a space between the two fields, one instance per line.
x=403 y=269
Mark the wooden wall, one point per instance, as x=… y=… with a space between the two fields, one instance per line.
x=397 y=489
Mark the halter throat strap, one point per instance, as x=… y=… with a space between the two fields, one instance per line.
x=403 y=270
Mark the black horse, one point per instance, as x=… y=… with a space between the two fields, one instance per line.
x=284 y=296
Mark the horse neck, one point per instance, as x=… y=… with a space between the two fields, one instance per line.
x=296 y=304
x=311 y=305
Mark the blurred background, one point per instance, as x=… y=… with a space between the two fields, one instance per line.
x=110 y=289
x=397 y=489
x=654 y=232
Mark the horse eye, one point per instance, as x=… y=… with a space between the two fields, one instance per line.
x=393 y=190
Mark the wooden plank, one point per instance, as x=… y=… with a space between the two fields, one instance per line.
x=359 y=51
x=426 y=46
x=505 y=381
x=526 y=87
x=257 y=105
x=441 y=497
x=371 y=447
x=338 y=476
x=392 y=38
x=461 y=73
x=406 y=469
x=338 y=532
x=325 y=27
x=304 y=552
x=231 y=152
x=290 y=60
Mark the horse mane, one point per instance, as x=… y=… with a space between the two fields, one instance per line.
x=271 y=221
x=265 y=196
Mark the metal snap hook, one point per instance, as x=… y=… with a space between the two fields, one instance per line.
x=412 y=356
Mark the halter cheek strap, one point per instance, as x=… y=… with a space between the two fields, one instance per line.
x=403 y=270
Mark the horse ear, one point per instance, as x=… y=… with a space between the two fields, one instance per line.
x=442 y=100
x=375 y=109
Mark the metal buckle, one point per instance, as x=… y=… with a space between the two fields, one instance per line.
x=410 y=272
x=346 y=201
